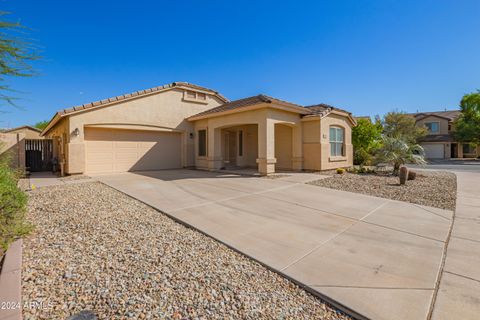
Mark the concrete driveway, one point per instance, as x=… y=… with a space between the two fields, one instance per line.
x=451 y=165
x=378 y=257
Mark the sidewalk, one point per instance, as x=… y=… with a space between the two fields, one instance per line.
x=46 y=179
x=459 y=293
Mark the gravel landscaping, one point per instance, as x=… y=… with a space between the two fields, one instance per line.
x=433 y=189
x=97 y=249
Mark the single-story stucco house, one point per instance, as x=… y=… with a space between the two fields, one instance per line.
x=15 y=140
x=182 y=125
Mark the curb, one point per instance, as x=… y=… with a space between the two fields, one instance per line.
x=11 y=283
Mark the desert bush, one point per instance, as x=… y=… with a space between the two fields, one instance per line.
x=340 y=170
x=361 y=157
x=13 y=204
x=397 y=152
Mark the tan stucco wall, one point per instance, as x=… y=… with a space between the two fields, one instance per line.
x=28 y=133
x=327 y=161
x=316 y=143
x=61 y=138
x=443 y=124
x=311 y=144
x=283 y=146
x=13 y=146
x=163 y=111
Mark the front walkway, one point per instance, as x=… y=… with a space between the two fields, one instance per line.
x=378 y=257
x=48 y=179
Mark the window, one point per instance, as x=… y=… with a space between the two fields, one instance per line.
x=201 y=96
x=240 y=143
x=468 y=148
x=336 y=141
x=433 y=127
x=202 y=143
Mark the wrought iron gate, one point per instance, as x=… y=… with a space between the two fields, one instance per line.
x=38 y=155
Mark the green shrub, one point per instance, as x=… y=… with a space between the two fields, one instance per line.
x=340 y=170
x=13 y=204
x=361 y=157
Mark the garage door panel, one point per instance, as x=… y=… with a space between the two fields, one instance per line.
x=433 y=150
x=109 y=150
x=99 y=156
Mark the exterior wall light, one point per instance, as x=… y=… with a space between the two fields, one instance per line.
x=76 y=132
x=191 y=135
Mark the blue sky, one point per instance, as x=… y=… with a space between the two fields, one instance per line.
x=369 y=57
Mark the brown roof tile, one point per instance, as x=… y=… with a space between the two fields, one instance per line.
x=448 y=114
x=318 y=109
x=437 y=138
x=245 y=102
x=139 y=93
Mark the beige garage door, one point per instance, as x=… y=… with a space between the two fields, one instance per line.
x=433 y=150
x=112 y=150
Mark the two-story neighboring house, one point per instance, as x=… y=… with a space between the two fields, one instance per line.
x=440 y=142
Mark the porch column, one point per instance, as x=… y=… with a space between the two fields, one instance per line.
x=266 y=147
x=297 y=146
x=214 y=144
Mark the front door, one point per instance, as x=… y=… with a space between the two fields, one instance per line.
x=230 y=150
x=453 y=150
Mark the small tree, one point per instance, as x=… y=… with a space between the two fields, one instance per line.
x=401 y=126
x=397 y=152
x=41 y=124
x=16 y=55
x=467 y=125
x=366 y=136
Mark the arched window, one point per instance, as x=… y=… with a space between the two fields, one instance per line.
x=337 y=135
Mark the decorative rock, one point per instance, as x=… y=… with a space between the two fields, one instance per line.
x=84 y=315
x=412 y=175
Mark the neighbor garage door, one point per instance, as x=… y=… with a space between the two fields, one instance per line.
x=112 y=150
x=433 y=150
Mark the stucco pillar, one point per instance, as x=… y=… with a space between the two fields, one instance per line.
x=297 y=152
x=215 y=159
x=266 y=147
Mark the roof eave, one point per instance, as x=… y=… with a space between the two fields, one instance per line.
x=56 y=117
x=274 y=104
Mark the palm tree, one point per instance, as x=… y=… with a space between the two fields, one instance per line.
x=395 y=151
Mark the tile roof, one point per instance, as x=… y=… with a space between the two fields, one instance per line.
x=22 y=127
x=449 y=114
x=241 y=103
x=437 y=138
x=138 y=94
x=363 y=117
x=318 y=109
x=323 y=109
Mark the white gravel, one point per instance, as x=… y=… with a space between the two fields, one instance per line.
x=97 y=249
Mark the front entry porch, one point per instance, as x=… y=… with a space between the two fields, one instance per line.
x=265 y=146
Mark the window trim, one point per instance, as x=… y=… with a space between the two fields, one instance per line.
x=336 y=142
x=204 y=154
x=438 y=126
